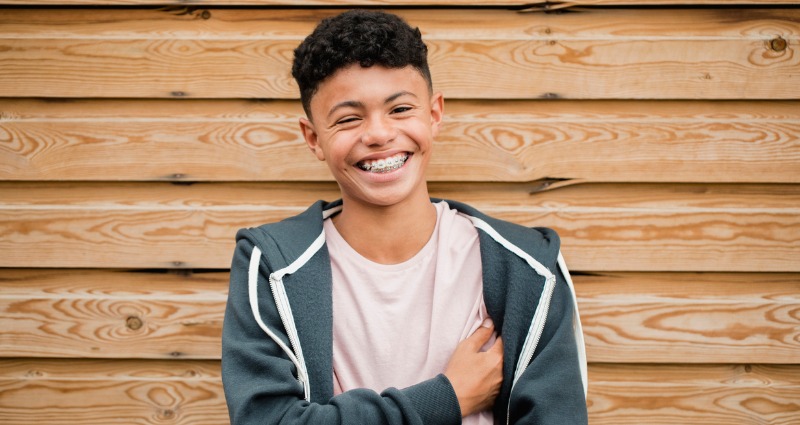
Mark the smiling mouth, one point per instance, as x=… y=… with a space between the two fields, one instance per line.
x=384 y=165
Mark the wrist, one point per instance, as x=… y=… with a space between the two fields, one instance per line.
x=435 y=400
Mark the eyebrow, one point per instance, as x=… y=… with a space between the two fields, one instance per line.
x=357 y=104
x=345 y=104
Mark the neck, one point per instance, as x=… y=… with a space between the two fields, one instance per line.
x=387 y=235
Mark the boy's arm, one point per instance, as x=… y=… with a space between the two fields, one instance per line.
x=261 y=386
x=551 y=391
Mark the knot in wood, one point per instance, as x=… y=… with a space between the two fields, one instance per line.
x=34 y=374
x=777 y=44
x=134 y=323
x=177 y=176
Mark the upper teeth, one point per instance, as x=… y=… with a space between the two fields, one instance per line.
x=385 y=164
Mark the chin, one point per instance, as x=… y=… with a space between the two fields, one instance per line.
x=386 y=198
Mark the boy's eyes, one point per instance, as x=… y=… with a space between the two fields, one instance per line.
x=401 y=109
x=352 y=118
x=346 y=120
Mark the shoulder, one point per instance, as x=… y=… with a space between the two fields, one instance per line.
x=541 y=243
x=287 y=238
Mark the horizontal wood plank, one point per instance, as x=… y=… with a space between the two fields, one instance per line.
x=693 y=394
x=694 y=141
x=627 y=317
x=103 y=392
x=690 y=318
x=190 y=392
x=111 y=314
x=594 y=54
x=203 y=23
x=526 y=5
x=191 y=23
x=603 y=227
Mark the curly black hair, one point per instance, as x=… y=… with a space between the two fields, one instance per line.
x=366 y=37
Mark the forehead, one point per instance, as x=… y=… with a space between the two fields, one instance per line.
x=366 y=85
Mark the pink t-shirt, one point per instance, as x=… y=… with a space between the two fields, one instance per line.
x=397 y=325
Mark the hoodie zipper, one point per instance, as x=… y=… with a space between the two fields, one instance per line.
x=539 y=317
x=297 y=360
x=295 y=352
x=285 y=313
x=536 y=329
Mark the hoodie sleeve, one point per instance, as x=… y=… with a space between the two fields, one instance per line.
x=260 y=381
x=551 y=389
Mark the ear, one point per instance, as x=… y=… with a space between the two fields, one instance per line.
x=437 y=112
x=310 y=136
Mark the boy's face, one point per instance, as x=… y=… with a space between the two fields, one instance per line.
x=374 y=127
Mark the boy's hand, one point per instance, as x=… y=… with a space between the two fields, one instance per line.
x=476 y=376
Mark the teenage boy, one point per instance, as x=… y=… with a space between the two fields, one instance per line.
x=388 y=307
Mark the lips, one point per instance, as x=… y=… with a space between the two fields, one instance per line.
x=384 y=165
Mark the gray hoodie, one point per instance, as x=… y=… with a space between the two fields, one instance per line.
x=277 y=336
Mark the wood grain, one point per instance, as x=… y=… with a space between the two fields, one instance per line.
x=189 y=392
x=102 y=392
x=526 y=5
x=199 y=22
x=111 y=314
x=745 y=142
x=97 y=56
x=627 y=317
x=603 y=227
x=689 y=394
x=690 y=318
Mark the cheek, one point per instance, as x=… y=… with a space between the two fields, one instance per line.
x=338 y=153
x=424 y=135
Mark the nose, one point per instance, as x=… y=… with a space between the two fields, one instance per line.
x=378 y=131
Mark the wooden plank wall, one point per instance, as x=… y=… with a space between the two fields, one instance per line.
x=660 y=138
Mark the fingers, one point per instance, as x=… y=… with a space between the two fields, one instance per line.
x=481 y=335
x=498 y=346
x=476 y=376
